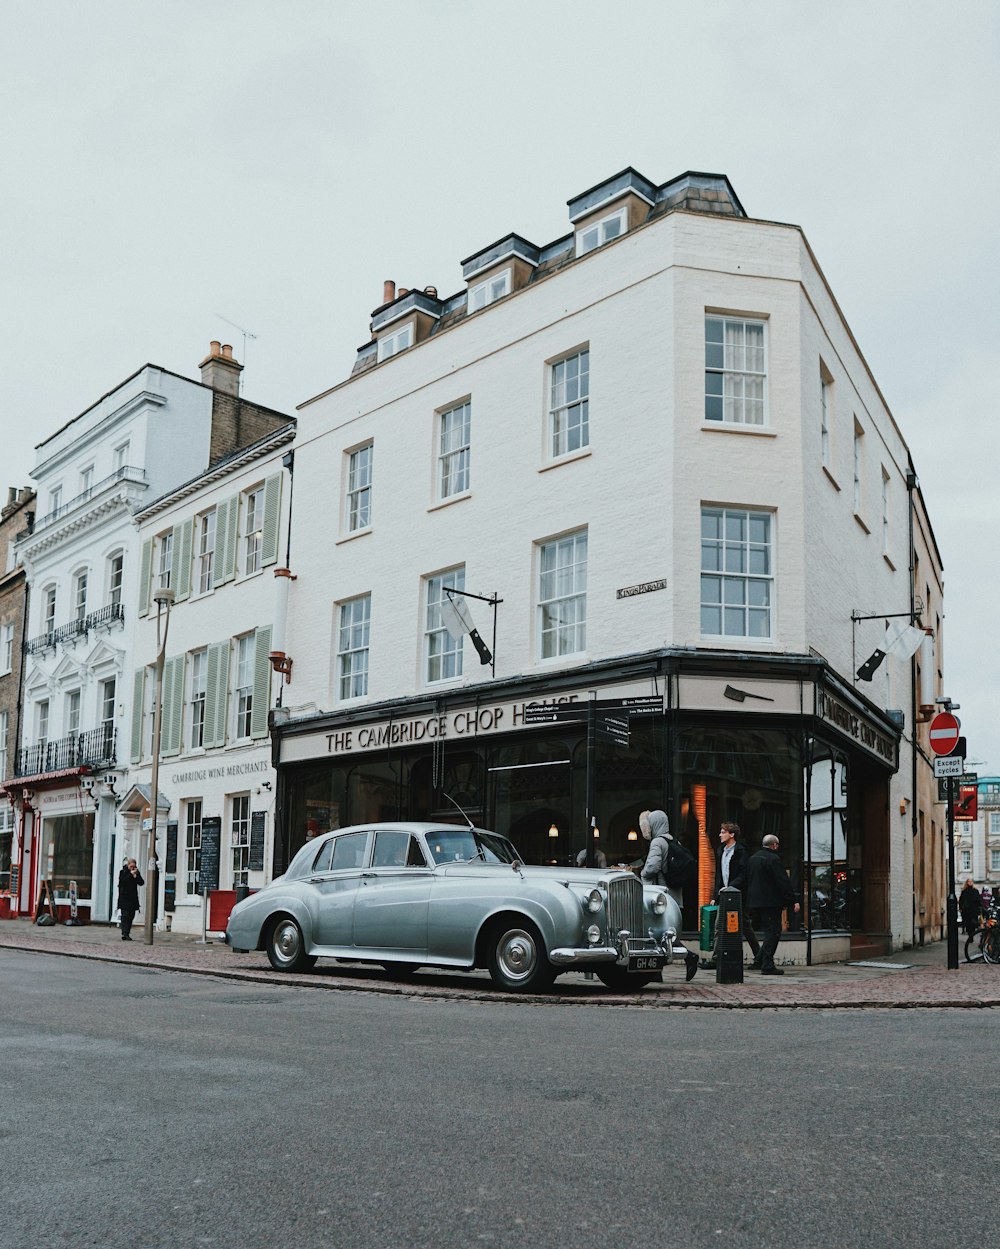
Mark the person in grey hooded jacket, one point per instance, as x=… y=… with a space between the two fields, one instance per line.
x=655 y=827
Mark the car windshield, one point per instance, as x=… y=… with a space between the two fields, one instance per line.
x=461 y=845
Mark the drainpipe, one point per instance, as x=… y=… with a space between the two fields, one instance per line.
x=911 y=484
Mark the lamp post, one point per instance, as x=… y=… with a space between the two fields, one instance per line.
x=163 y=599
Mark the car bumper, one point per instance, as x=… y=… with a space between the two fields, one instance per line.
x=584 y=956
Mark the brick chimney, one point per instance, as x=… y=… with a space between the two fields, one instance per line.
x=219 y=370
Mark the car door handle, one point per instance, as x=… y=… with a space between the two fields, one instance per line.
x=368 y=875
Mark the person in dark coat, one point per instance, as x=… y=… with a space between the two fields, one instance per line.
x=768 y=893
x=129 y=881
x=970 y=903
x=730 y=870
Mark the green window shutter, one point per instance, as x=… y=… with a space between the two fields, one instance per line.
x=183 y=534
x=272 y=519
x=137 y=693
x=261 y=682
x=145 y=568
x=173 y=705
x=226 y=521
x=216 y=694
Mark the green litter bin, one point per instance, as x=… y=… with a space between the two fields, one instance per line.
x=706 y=941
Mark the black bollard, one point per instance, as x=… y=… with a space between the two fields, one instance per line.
x=729 y=961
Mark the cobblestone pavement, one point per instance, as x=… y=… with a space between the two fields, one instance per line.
x=908 y=979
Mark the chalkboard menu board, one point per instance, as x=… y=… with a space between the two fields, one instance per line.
x=258 y=820
x=211 y=845
x=171 y=867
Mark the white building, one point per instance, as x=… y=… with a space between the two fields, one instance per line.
x=81 y=558
x=215 y=541
x=657 y=444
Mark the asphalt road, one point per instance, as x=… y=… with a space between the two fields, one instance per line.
x=145 y=1108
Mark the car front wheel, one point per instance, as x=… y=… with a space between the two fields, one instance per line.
x=517 y=959
x=286 y=947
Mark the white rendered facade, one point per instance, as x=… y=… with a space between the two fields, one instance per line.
x=619 y=486
x=229 y=528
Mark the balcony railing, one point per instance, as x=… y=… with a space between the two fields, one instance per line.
x=95 y=749
x=126 y=473
x=104 y=617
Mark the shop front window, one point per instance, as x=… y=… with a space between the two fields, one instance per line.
x=833 y=885
x=744 y=775
x=69 y=842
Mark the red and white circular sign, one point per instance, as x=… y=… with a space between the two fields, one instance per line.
x=944 y=733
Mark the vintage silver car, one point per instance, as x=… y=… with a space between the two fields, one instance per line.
x=413 y=895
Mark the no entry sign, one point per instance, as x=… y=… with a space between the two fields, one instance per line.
x=944 y=733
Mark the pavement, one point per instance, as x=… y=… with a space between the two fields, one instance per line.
x=909 y=979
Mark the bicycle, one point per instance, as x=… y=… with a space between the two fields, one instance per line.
x=989 y=940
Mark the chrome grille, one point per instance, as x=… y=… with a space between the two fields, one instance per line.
x=625 y=907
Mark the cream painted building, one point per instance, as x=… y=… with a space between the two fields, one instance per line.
x=654 y=455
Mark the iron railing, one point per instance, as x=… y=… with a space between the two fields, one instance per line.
x=95 y=749
x=126 y=473
x=80 y=627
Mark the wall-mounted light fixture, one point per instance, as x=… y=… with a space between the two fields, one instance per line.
x=633 y=835
x=553 y=831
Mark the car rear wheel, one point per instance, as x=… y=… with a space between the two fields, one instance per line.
x=517 y=960
x=286 y=947
x=621 y=981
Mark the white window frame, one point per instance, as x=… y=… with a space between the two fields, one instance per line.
x=87 y=480
x=353 y=642
x=49 y=618
x=80 y=582
x=244 y=656
x=994 y=859
x=360 y=472
x=569 y=403
x=595 y=235
x=121 y=453
x=192 y=845
x=42 y=723
x=116 y=576
x=239 y=837
x=55 y=499
x=885 y=511
x=736 y=371
x=109 y=703
x=825 y=411
x=443 y=652
x=253 y=529
x=966 y=861
x=562 y=595
x=392 y=344
x=6 y=648
x=731 y=573
x=995 y=823
x=489 y=291
x=164 y=559
x=4 y=738
x=206 y=528
x=454 y=449
x=72 y=713
x=197 y=695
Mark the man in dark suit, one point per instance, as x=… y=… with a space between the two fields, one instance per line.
x=730 y=870
x=768 y=893
x=129 y=881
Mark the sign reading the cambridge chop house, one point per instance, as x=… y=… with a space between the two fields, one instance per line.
x=454 y=725
x=857 y=726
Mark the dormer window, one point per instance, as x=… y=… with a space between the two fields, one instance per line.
x=393 y=344
x=601 y=232
x=488 y=292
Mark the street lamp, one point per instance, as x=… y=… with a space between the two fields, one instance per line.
x=163 y=599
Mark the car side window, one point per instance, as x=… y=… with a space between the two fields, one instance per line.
x=415 y=856
x=322 y=861
x=390 y=848
x=349 y=850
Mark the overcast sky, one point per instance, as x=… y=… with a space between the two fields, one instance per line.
x=167 y=165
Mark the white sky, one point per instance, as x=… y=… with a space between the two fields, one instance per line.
x=167 y=164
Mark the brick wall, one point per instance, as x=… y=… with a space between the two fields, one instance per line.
x=237 y=423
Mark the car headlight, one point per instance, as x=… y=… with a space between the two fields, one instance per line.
x=659 y=904
x=593 y=901
x=594 y=935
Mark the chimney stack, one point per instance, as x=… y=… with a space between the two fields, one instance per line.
x=219 y=370
x=388 y=292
